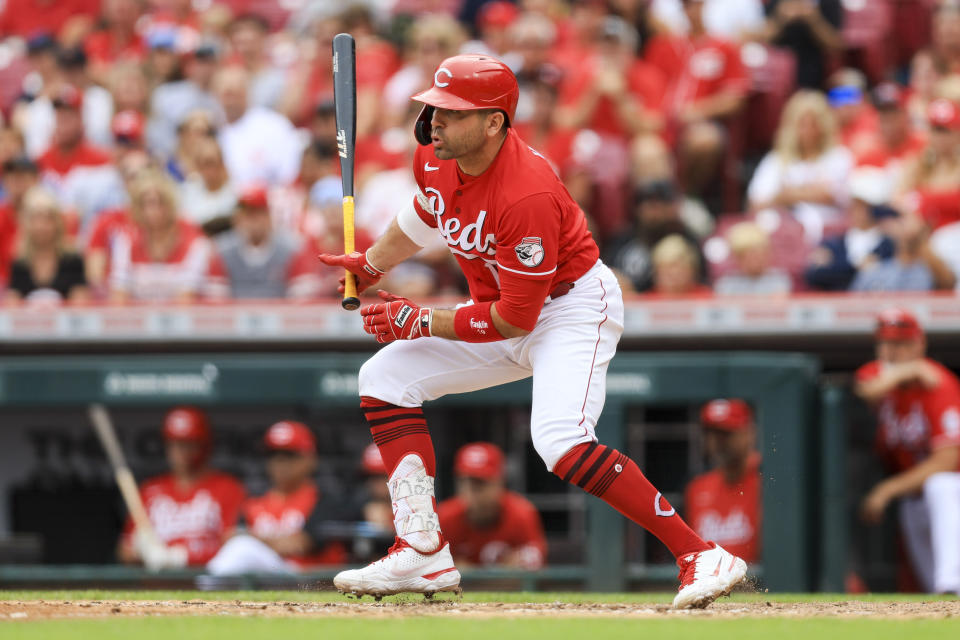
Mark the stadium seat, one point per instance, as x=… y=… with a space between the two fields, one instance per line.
x=866 y=36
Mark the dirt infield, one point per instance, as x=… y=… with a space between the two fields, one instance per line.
x=41 y=609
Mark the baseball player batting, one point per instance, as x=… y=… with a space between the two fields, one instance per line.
x=542 y=305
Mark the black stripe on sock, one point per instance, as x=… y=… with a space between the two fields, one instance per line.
x=576 y=466
x=412 y=432
x=607 y=452
x=610 y=476
x=376 y=422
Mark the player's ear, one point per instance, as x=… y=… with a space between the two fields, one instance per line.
x=495 y=122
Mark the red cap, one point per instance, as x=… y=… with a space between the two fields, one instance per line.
x=372 y=462
x=68 y=96
x=727 y=414
x=944 y=113
x=497 y=14
x=288 y=435
x=254 y=197
x=128 y=124
x=897 y=324
x=467 y=82
x=479 y=460
x=186 y=424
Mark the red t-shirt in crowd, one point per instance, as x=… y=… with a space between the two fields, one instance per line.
x=514 y=229
x=277 y=515
x=102 y=47
x=645 y=83
x=27 y=18
x=183 y=271
x=879 y=155
x=8 y=240
x=59 y=163
x=728 y=514
x=198 y=518
x=518 y=529
x=915 y=420
x=696 y=69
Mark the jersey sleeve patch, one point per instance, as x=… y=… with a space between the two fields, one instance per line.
x=530 y=251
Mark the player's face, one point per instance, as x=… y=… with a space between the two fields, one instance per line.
x=183 y=456
x=728 y=448
x=482 y=498
x=897 y=351
x=288 y=470
x=457 y=133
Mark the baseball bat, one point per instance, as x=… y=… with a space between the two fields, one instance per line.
x=103 y=426
x=345 y=100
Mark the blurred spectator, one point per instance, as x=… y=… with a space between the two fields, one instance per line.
x=375 y=501
x=856 y=118
x=724 y=504
x=45 y=271
x=896 y=141
x=33 y=112
x=116 y=39
x=931 y=181
x=208 y=195
x=676 y=266
x=754 y=275
x=706 y=84
x=253 y=260
x=807 y=171
x=809 y=28
x=657 y=215
x=275 y=541
x=20 y=174
x=162 y=258
x=248 y=37
x=838 y=259
x=69 y=148
x=538 y=128
x=917 y=402
x=98 y=107
x=193 y=508
x=485 y=523
x=924 y=78
x=304 y=206
x=493 y=23
x=26 y=18
x=613 y=92
x=430 y=40
x=945 y=38
x=89 y=191
x=913 y=267
x=163 y=58
x=173 y=103
x=196 y=127
x=734 y=20
x=259 y=145
x=129 y=88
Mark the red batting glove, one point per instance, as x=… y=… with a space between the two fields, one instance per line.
x=396 y=319
x=356 y=263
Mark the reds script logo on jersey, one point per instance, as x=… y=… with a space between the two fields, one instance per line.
x=530 y=252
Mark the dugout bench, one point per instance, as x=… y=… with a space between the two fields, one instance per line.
x=801 y=439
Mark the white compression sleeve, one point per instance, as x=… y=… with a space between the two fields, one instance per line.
x=414 y=227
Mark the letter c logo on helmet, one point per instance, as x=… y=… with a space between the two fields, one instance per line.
x=436 y=77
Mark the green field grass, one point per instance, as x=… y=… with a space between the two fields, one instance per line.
x=443 y=626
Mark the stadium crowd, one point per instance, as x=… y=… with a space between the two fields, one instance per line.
x=184 y=150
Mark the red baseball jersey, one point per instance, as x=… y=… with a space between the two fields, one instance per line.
x=696 y=69
x=915 y=420
x=277 y=515
x=518 y=529
x=514 y=229
x=199 y=517
x=728 y=514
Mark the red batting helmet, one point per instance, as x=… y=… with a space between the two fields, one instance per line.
x=897 y=324
x=288 y=435
x=726 y=415
x=186 y=423
x=482 y=460
x=465 y=83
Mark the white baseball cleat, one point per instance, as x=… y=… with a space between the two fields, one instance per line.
x=706 y=576
x=402 y=570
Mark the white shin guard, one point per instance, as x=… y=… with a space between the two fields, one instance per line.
x=412 y=494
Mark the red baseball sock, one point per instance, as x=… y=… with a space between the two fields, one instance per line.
x=616 y=479
x=398 y=431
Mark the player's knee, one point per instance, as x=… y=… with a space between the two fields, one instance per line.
x=369 y=378
x=552 y=448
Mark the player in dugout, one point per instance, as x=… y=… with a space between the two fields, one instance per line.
x=275 y=540
x=917 y=401
x=724 y=504
x=485 y=523
x=542 y=305
x=193 y=508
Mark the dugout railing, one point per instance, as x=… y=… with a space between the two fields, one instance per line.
x=800 y=540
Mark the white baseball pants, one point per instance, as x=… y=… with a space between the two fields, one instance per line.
x=567 y=353
x=931 y=530
x=243 y=554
